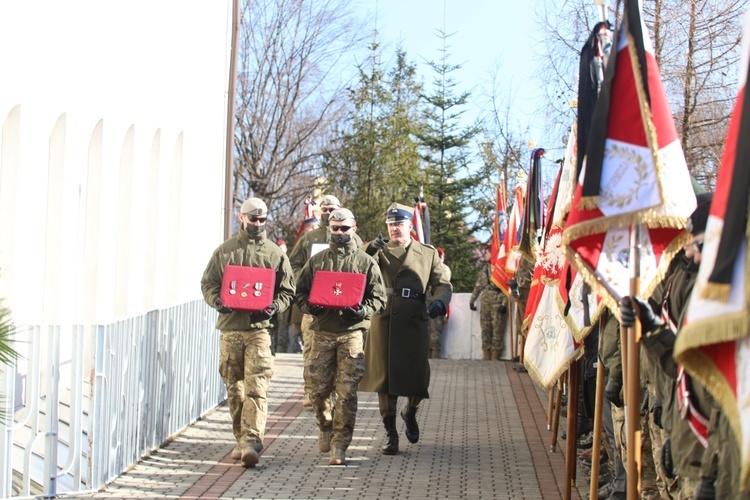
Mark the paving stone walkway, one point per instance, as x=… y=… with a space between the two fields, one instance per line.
x=483 y=435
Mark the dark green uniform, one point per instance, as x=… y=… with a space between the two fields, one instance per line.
x=396 y=350
x=246 y=363
x=336 y=355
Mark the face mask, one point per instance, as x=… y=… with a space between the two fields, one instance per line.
x=254 y=230
x=324 y=218
x=341 y=239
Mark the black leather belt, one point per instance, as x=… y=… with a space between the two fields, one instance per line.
x=405 y=293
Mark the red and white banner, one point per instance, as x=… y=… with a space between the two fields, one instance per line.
x=498 y=248
x=714 y=343
x=634 y=174
x=515 y=226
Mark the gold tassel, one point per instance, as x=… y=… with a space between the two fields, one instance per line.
x=587 y=203
x=718 y=292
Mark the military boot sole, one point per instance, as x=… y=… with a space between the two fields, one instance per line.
x=249 y=458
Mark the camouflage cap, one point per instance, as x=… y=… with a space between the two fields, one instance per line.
x=254 y=206
x=341 y=214
x=398 y=213
x=329 y=199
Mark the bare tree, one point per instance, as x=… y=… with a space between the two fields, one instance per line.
x=696 y=44
x=290 y=82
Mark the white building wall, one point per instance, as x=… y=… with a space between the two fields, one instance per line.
x=111 y=154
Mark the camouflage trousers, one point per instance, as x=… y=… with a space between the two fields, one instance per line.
x=436 y=331
x=649 y=488
x=337 y=362
x=492 y=320
x=246 y=366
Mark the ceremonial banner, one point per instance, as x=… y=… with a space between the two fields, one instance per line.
x=533 y=214
x=515 y=226
x=498 y=255
x=571 y=286
x=634 y=173
x=714 y=343
x=551 y=343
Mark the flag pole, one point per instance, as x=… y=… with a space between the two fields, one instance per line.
x=632 y=403
x=598 y=408
x=229 y=144
x=570 y=442
x=556 y=419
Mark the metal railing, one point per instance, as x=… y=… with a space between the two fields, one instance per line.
x=85 y=402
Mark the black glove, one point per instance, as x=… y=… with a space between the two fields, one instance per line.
x=315 y=310
x=219 y=306
x=436 y=308
x=649 y=320
x=352 y=313
x=503 y=309
x=472 y=306
x=612 y=390
x=657 y=411
x=376 y=244
x=268 y=312
x=514 y=291
x=666 y=459
x=705 y=489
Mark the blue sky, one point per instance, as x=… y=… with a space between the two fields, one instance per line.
x=488 y=34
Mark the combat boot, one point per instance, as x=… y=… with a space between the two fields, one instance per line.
x=486 y=355
x=409 y=414
x=495 y=355
x=324 y=441
x=391 y=446
x=337 y=457
x=236 y=452
x=249 y=457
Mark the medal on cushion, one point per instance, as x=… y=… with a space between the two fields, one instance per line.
x=337 y=289
x=258 y=288
x=232 y=287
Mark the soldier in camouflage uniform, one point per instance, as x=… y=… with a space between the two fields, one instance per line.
x=245 y=360
x=313 y=240
x=336 y=357
x=437 y=324
x=494 y=313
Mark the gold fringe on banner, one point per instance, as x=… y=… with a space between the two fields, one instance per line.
x=537 y=378
x=587 y=203
x=718 y=292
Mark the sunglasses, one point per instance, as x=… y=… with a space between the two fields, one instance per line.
x=698 y=245
x=343 y=229
x=253 y=218
x=327 y=210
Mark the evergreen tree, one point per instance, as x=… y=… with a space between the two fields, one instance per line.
x=375 y=160
x=448 y=183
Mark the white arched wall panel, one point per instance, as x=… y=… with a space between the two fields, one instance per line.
x=9 y=158
x=124 y=216
x=93 y=211
x=176 y=216
x=150 y=224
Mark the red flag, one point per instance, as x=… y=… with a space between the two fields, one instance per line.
x=498 y=253
x=714 y=343
x=634 y=174
x=309 y=214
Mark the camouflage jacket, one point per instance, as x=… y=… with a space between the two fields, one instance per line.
x=350 y=259
x=252 y=251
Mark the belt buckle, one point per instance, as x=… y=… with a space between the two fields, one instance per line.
x=406 y=292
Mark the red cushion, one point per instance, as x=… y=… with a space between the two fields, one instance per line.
x=247 y=288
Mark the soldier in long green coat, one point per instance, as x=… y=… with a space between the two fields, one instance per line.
x=396 y=350
x=245 y=360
